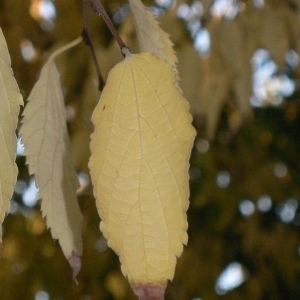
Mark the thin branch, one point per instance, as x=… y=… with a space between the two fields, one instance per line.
x=85 y=13
x=100 y=11
x=88 y=42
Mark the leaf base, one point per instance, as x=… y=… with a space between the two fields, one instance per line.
x=149 y=291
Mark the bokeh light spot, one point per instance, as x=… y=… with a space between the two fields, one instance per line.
x=183 y=11
x=264 y=203
x=225 y=8
x=202 y=42
x=280 y=169
x=202 y=145
x=41 y=295
x=223 y=179
x=287 y=211
x=44 y=12
x=195 y=173
x=233 y=276
x=14 y=207
x=20 y=147
x=270 y=88
x=100 y=245
x=164 y=3
x=259 y=3
x=20 y=187
x=292 y=59
x=30 y=194
x=247 y=208
x=28 y=51
x=84 y=181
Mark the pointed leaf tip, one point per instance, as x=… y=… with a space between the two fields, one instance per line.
x=75 y=263
x=149 y=291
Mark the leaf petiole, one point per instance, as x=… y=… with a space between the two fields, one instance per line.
x=100 y=11
x=65 y=48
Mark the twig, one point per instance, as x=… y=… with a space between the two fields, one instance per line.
x=100 y=11
x=88 y=42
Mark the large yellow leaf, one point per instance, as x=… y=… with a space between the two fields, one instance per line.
x=45 y=137
x=150 y=36
x=139 y=168
x=10 y=101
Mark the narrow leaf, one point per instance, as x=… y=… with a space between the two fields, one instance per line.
x=10 y=101
x=45 y=137
x=150 y=36
x=139 y=168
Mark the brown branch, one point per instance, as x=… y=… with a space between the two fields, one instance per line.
x=88 y=42
x=100 y=11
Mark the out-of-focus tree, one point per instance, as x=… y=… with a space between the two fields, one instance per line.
x=239 y=69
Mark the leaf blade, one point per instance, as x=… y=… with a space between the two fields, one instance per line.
x=11 y=100
x=150 y=36
x=139 y=167
x=44 y=134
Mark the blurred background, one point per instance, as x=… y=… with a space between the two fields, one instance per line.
x=239 y=69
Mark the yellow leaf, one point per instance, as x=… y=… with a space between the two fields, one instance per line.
x=150 y=36
x=11 y=100
x=45 y=137
x=139 y=168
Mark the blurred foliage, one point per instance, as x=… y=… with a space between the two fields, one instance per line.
x=239 y=164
